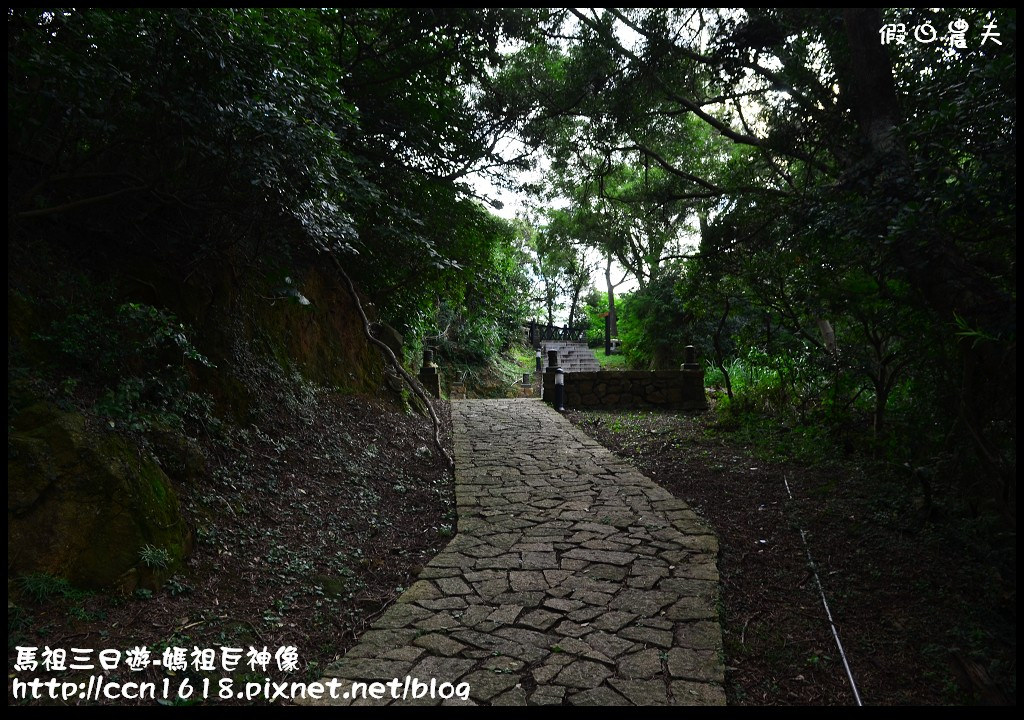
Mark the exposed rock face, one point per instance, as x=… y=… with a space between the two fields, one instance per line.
x=81 y=504
x=84 y=500
x=389 y=336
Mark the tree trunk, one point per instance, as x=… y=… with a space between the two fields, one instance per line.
x=719 y=355
x=828 y=336
x=869 y=71
x=577 y=290
x=613 y=327
x=881 y=401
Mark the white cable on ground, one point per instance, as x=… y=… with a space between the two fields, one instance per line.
x=821 y=591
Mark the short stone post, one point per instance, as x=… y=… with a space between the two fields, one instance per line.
x=526 y=386
x=429 y=376
x=559 y=390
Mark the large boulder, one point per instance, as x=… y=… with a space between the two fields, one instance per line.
x=83 y=503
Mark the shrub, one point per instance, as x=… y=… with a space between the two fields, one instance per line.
x=136 y=354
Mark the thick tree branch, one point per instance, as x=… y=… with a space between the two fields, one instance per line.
x=684 y=101
x=777 y=80
x=681 y=256
x=389 y=355
x=694 y=107
x=696 y=179
x=75 y=204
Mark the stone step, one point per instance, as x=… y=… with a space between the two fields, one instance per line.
x=573 y=356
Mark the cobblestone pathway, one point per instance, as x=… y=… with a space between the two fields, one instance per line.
x=572 y=579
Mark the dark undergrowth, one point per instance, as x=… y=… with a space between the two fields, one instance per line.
x=923 y=594
x=308 y=522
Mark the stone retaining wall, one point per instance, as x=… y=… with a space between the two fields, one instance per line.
x=666 y=389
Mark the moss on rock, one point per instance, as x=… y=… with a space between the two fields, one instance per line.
x=180 y=457
x=82 y=503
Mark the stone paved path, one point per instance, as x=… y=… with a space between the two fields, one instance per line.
x=572 y=579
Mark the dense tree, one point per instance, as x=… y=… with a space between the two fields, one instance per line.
x=196 y=132
x=857 y=199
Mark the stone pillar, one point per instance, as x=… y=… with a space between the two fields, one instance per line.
x=693 y=395
x=559 y=396
x=526 y=386
x=429 y=376
x=538 y=382
x=547 y=383
x=690 y=359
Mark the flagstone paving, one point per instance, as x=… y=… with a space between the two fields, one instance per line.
x=573 y=579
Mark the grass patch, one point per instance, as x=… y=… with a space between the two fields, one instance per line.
x=41 y=586
x=611 y=362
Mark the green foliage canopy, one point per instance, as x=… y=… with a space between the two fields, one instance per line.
x=193 y=133
x=856 y=201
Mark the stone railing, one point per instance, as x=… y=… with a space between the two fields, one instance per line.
x=681 y=389
x=552 y=333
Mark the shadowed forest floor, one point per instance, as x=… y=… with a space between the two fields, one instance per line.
x=312 y=521
x=925 y=611
x=307 y=525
